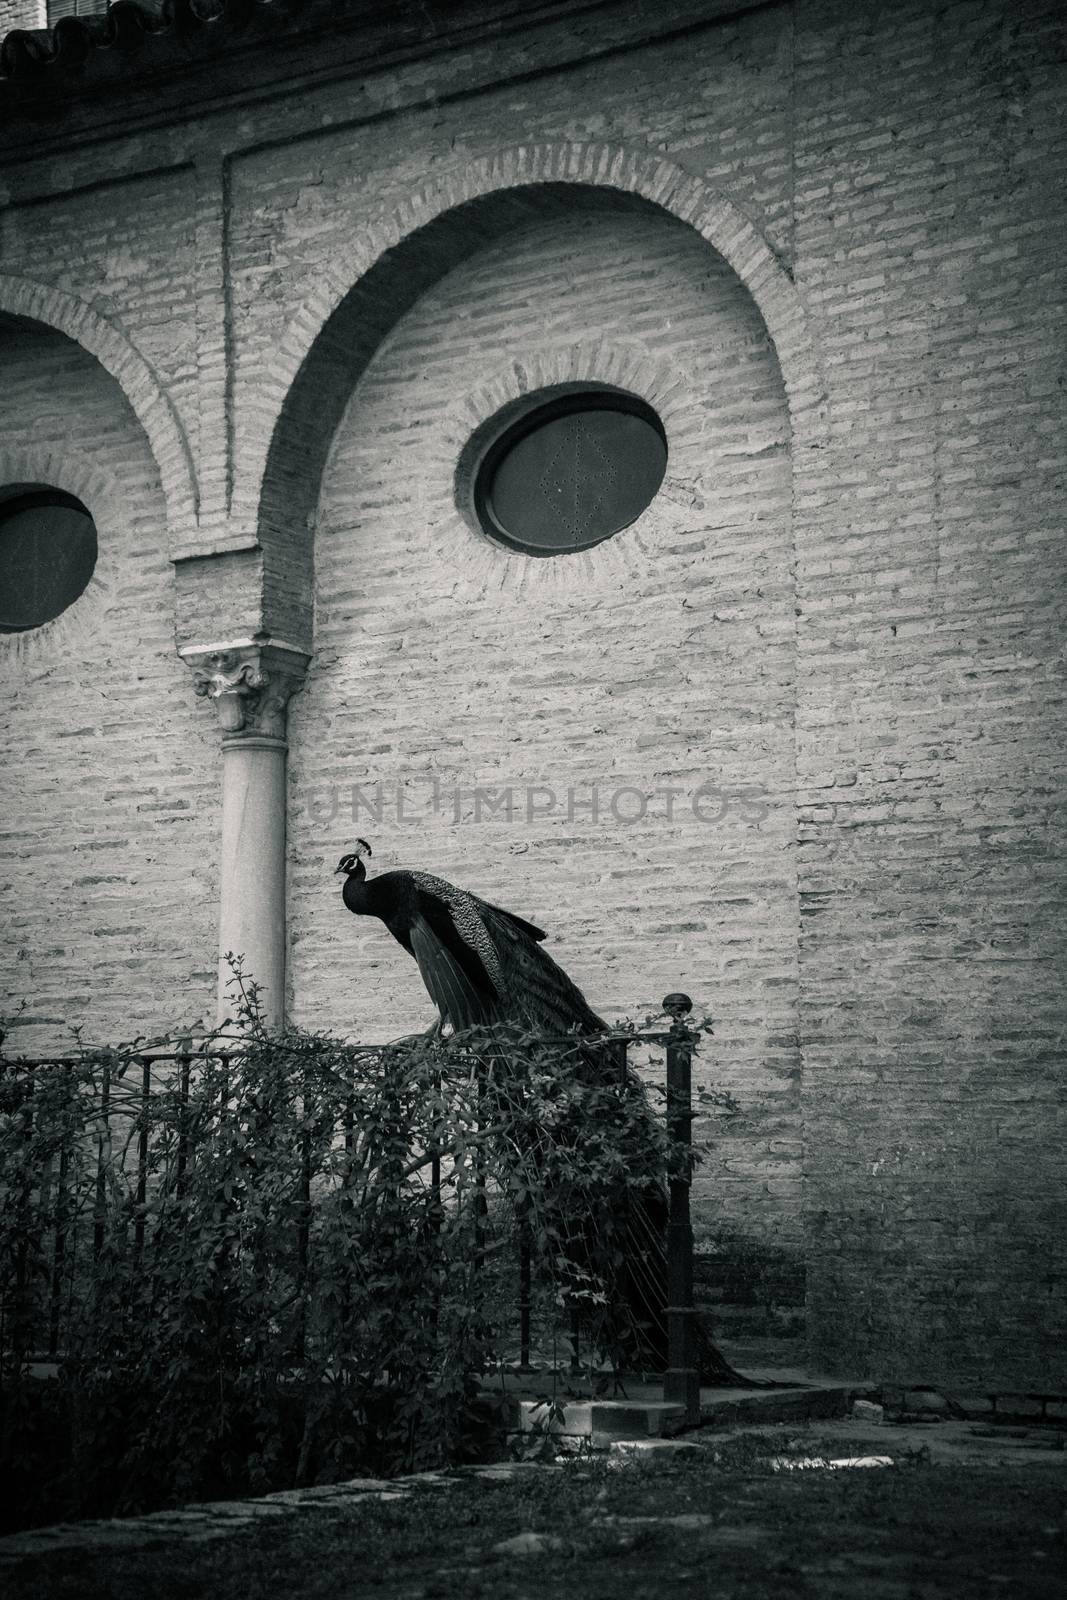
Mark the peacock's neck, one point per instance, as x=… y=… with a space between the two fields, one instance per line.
x=354 y=892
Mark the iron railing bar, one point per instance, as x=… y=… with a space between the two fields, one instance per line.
x=303 y=1232
x=110 y=1058
x=59 y=1242
x=103 y=1140
x=681 y=1381
x=100 y=1054
x=185 y=1060
x=525 y=1306
x=23 y=1317
x=142 y=1155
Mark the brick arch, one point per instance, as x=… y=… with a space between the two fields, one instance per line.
x=303 y=388
x=65 y=313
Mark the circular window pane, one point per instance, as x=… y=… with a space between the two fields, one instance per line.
x=572 y=473
x=47 y=556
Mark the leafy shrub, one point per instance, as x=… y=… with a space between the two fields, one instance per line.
x=291 y=1259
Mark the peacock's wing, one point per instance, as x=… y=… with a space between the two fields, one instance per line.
x=530 y=929
x=454 y=953
x=534 y=990
x=458 y=918
x=461 y=999
x=500 y=955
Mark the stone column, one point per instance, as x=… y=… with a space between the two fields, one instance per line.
x=250 y=684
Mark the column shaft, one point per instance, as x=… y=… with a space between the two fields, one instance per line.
x=252 y=878
x=249 y=682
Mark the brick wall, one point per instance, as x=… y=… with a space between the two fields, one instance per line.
x=886 y=619
x=292 y=206
x=128 y=252
x=21 y=14
x=661 y=659
x=930 y=725
x=107 y=848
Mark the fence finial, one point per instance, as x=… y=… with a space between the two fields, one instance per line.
x=677 y=1005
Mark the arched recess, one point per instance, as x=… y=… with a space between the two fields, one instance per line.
x=112 y=821
x=67 y=314
x=332 y=338
x=594 y=696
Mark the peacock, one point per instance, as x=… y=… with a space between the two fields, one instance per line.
x=481 y=966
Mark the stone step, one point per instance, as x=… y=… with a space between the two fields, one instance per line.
x=643 y=1414
x=599 y=1422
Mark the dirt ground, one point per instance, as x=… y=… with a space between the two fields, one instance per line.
x=958 y=1513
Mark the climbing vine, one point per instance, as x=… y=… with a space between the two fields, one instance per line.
x=295 y=1259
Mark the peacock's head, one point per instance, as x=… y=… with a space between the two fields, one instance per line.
x=354 y=858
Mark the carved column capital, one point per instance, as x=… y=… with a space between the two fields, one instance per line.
x=249 y=683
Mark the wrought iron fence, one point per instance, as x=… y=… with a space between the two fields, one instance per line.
x=98 y=1150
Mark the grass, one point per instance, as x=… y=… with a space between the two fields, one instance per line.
x=912 y=1532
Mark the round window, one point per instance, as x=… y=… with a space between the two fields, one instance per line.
x=571 y=472
x=47 y=556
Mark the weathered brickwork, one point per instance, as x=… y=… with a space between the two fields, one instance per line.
x=107 y=850
x=131 y=258
x=930 y=729
x=22 y=14
x=21 y=296
x=660 y=660
x=292 y=207
x=826 y=242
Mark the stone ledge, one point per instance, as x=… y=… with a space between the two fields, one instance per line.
x=642 y=1416
x=599 y=1422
